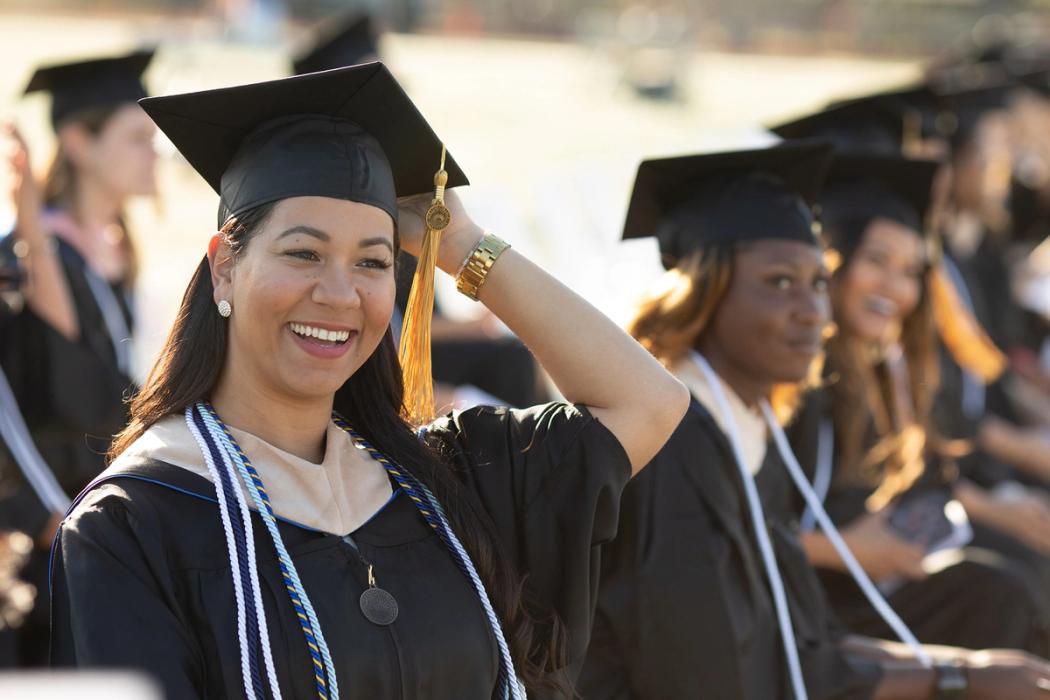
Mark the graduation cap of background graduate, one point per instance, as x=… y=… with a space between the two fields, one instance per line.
x=346 y=41
x=889 y=122
x=692 y=201
x=350 y=133
x=860 y=187
x=92 y=83
x=969 y=94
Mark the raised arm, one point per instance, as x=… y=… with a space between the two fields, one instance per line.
x=590 y=359
x=47 y=291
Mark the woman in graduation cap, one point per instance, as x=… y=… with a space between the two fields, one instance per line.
x=273 y=525
x=705 y=592
x=67 y=355
x=867 y=439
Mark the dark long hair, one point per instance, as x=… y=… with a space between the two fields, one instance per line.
x=61 y=182
x=188 y=371
x=873 y=447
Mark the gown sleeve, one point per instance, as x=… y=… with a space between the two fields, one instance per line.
x=550 y=479
x=113 y=602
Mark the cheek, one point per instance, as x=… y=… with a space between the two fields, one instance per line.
x=377 y=301
x=908 y=294
x=860 y=279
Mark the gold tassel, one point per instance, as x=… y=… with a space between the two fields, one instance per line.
x=971 y=347
x=418 y=405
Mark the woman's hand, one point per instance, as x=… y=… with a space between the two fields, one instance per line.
x=26 y=193
x=47 y=291
x=881 y=552
x=457 y=240
x=1007 y=673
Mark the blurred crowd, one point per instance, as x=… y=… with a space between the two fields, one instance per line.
x=924 y=428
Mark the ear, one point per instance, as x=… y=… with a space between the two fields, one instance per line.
x=76 y=142
x=220 y=260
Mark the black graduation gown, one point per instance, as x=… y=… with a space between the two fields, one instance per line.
x=684 y=609
x=71 y=393
x=141 y=577
x=72 y=396
x=983 y=600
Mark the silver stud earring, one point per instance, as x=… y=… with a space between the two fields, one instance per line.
x=224 y=308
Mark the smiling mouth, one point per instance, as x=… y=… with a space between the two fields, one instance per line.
x=880 y=305
x=320 y=335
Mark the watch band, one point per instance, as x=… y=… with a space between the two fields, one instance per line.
x=952 y=682
x=472 y=277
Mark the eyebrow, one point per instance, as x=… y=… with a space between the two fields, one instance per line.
x=308 y=230
x=378 y=240
x=322 y=236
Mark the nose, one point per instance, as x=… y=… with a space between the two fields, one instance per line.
x=812 y=308
x=336 y=288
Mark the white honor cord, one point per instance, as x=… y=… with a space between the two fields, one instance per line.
x=776 y=584
x=822 y=475
x=113 y=318
x=227 y=526
x=16 y=436
x=870 y=591
x=253 y=571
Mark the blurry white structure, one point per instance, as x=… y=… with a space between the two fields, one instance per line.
x=87 y=685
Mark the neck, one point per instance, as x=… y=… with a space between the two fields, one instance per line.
x=748 y=388
x=297 y=426
x=95 y=206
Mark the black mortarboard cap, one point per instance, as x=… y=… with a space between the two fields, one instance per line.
x=862 y=187
x=694 y=201
x=349 y=40
x=350 y=133
x=972 y=93
x=883 y=121
x=94 y=83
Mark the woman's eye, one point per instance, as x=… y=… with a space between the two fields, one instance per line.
x=821 y=284
x=875 y=257
x=304 y=255
x=376 y=263
x=781 y=282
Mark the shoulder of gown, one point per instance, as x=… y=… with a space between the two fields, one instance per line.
x=110 y=557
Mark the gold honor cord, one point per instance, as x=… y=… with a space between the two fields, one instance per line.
x=418 y=406
x=964 y=337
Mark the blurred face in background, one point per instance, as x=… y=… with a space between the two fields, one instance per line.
x=881 y=284
x=983 y=169
x=119 y=157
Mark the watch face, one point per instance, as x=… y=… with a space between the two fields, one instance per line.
x=951 y=682
x=438 y=217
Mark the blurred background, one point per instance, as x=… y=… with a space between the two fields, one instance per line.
x=549 y=106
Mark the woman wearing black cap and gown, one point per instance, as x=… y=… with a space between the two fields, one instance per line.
x=887 y=477
x=695 y=600
x=67 y=355
x=373 y=561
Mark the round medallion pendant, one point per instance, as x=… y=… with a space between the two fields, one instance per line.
x=438 y=217
x=378 y=606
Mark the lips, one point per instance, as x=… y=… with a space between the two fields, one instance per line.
x=808 y=346
x=322 y=340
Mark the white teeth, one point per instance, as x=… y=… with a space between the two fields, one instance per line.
x=881 y=305
x=320 y=333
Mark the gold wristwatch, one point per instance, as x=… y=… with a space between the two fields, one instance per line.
x=479 y=263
